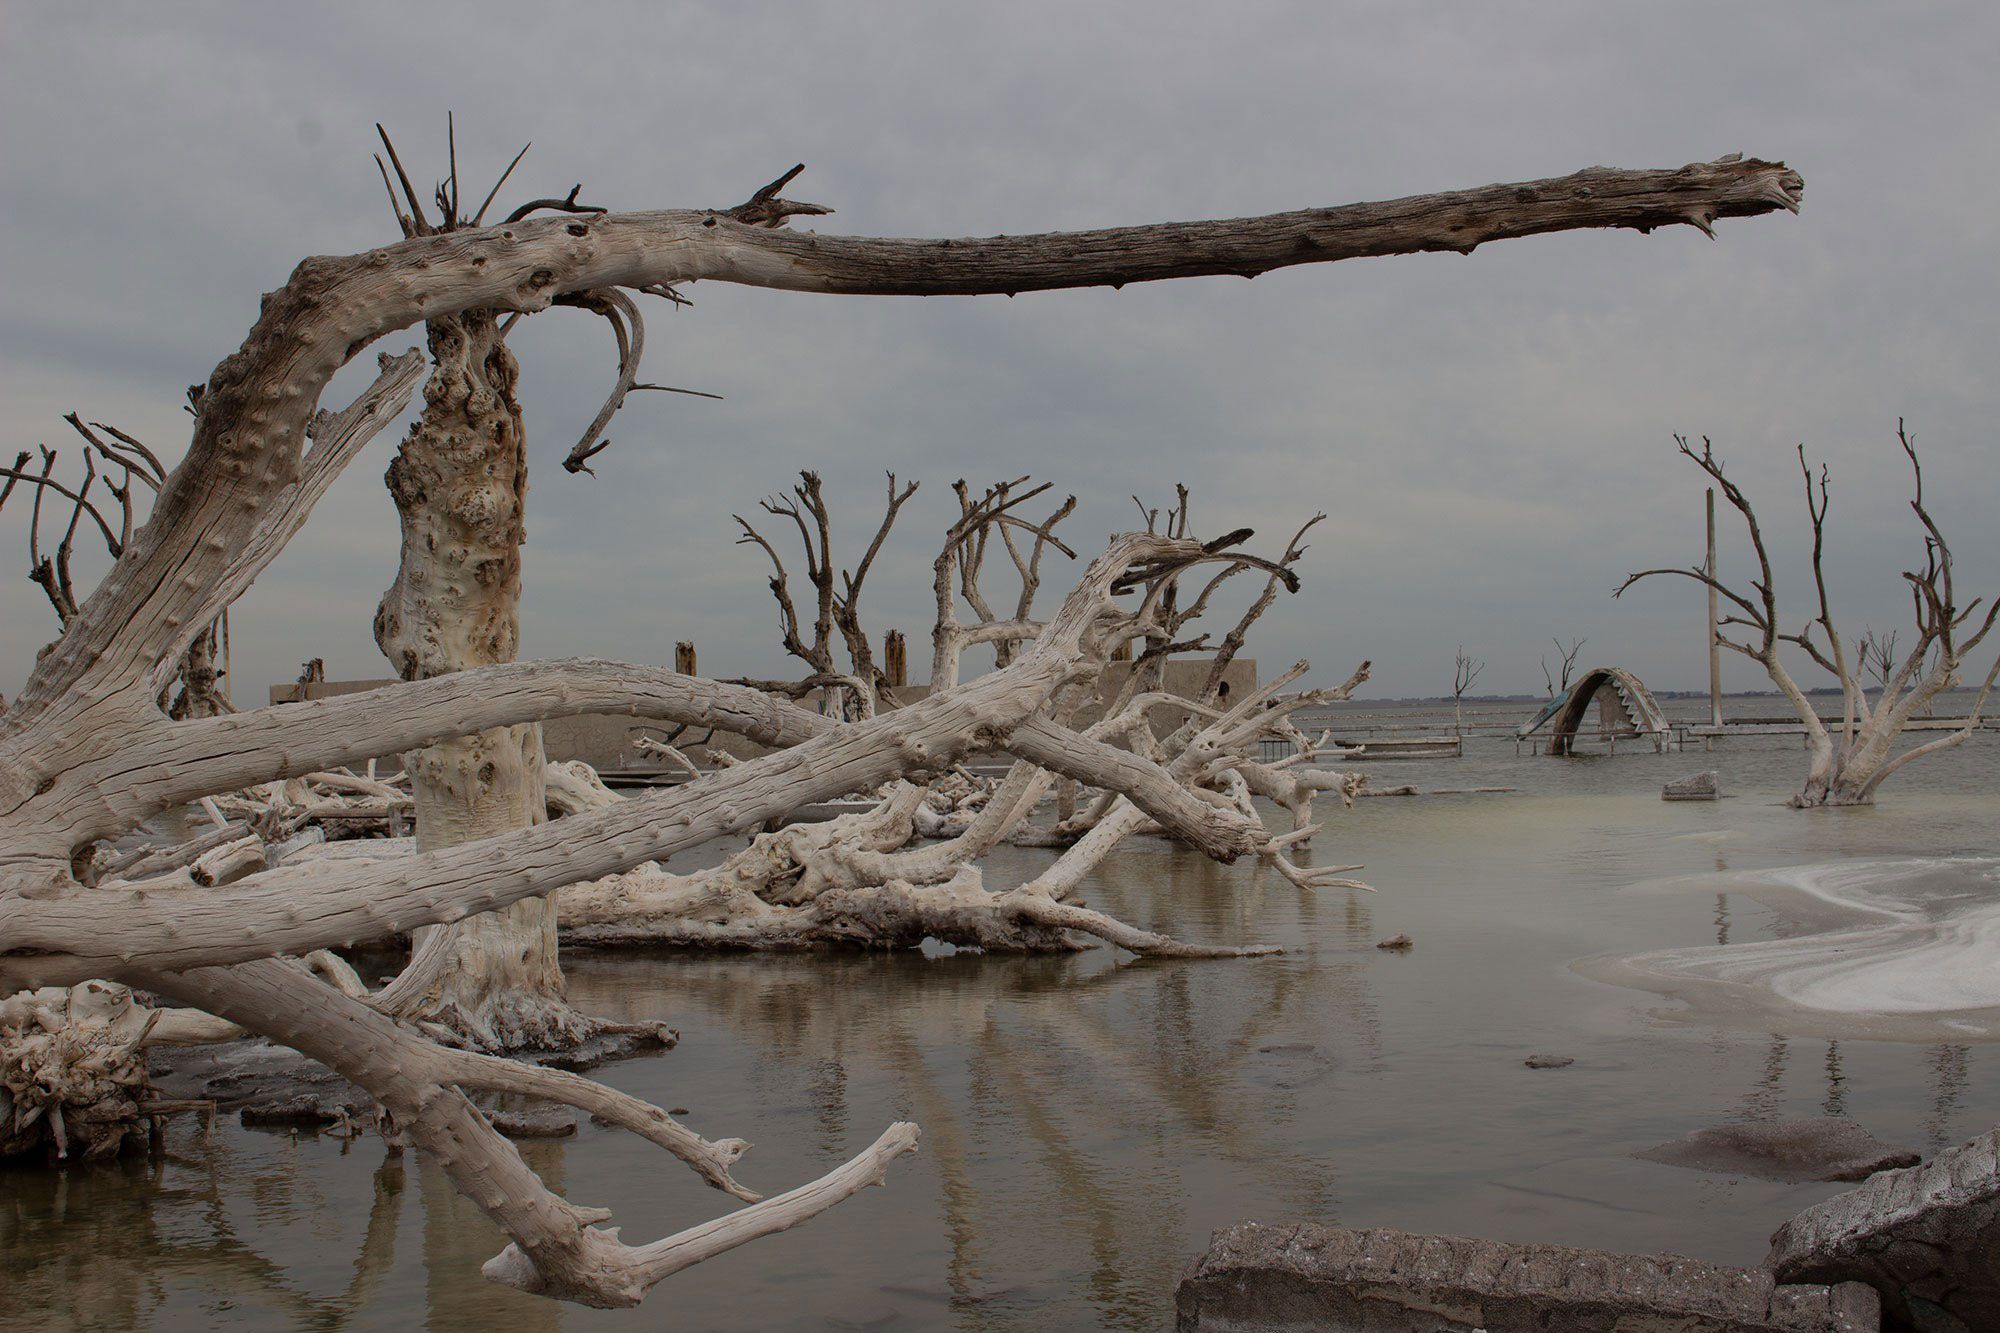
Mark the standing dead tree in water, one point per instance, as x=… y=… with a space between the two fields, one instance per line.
x=1465 y=670
x=460 y=484
x=1559 y=681
x=1849 y=762
x=86 y=754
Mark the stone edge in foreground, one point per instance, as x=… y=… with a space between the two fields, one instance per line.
x=1255 y=1276
x=1926 y=1235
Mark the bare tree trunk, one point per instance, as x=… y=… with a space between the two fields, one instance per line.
x=459 y=483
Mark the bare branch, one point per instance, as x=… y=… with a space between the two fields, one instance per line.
x=566 y=204
x=419 y=224
x=766 y=209
x=480 y=216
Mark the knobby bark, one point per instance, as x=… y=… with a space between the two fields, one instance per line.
x=460 y=484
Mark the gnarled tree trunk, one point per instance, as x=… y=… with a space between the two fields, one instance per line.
x=460 y=482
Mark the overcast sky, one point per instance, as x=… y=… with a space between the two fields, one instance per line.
x=1491 y=435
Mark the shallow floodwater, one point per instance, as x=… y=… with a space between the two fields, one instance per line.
x=1089 y=1120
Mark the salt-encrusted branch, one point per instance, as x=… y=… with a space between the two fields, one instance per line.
x=629 y=328
x=198 y=758
x=711 y=1160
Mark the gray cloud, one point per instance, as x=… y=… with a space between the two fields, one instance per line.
x=1490 y=434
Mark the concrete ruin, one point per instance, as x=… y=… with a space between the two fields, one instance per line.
x=1625 y=708
x=1270 y=1278
x=1927 y=1239
x=1699 y=787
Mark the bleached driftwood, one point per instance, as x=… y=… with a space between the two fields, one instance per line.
x=854 y=881
x=86 y=753
x=334 y=799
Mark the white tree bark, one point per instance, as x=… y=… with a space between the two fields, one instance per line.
x=460 y=484
x=852 y=881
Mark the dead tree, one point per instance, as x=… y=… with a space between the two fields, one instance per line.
x=957 y=571
x=1877 y=657
x=460 y=484
x=1851 y=760
x=835 y=605
x=1465 y=670
x=1558 y=684
x=87 y=755
x=895 y=659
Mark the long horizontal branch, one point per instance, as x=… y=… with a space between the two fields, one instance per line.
x=1456 y=220
x=209 y=755
x=1755 y=618
x=256 y=405
x=74 y=933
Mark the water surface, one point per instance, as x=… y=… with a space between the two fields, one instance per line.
x=1089 y=1120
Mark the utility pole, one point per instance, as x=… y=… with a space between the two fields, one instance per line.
x=1714 y=639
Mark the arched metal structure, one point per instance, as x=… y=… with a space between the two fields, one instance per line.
x=1627 y=708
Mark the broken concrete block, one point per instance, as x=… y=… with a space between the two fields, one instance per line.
x=1701 y=787
x=1927 y=1239
x=1821 y=1148
x=1256 y=1277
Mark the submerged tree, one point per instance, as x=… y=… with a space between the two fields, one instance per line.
x=1852 y=759
x=87 y=754
x=1558 y=681
x=1465 y=669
